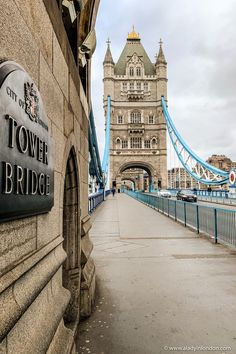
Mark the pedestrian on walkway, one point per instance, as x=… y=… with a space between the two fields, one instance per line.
x=113 y=191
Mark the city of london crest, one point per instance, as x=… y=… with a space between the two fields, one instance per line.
x=31 y=102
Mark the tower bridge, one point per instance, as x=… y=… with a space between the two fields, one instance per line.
x=152 y=272
x=138 y=130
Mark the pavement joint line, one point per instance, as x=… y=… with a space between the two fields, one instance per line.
x=207 y=255
x=159 y=238
x=103 y=221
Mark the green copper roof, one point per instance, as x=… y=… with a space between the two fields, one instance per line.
x=131 y=47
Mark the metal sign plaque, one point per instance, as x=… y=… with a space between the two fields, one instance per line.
x=26 y=156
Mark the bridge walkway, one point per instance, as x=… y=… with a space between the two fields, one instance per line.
x=159 y=285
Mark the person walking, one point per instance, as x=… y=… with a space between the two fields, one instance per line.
x=113 y=191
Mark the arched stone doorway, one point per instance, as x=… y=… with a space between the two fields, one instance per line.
x=71 y=243
x=135 y=170
x=128 y=183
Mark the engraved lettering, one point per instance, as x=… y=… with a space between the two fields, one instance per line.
x=11 y=93
x=45 y=153
x=22 y=139
x=18 y=180
x=41 y=187
x=47 y=185
x=12 y=125
x=32 y=143
x=34 y=182
x=26 y=181
x=7 y=178
x=40 y=150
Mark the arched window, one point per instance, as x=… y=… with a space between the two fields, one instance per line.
x=154 y=142
x=131 y=71
x=135 y=117
x=138 y=71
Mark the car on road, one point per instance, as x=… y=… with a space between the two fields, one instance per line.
x=186 y=195
x=164 y=193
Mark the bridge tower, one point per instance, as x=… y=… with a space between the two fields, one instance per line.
x=138 y=131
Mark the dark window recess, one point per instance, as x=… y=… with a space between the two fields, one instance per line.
x=83 y=77
x=70 y=20
x=71 y=30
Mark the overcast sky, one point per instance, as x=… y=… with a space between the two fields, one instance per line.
x=200 y=48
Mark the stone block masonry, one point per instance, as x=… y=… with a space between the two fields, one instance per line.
x=47 y=275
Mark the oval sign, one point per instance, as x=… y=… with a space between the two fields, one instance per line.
x=26 y=156
x=232 y=177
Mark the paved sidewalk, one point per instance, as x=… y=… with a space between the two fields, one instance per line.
x=159 y=286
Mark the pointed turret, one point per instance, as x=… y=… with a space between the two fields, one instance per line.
x=108 y=72
x=161 y=71
x=108 y=56
x=160 y=58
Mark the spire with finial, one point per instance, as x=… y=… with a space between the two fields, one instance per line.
x=160 y=57
x=108 y=57
x=133 y=35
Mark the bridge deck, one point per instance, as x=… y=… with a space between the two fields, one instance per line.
x=159 y=285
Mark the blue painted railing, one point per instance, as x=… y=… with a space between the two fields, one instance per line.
x=204 y=192
x=96 y=199
x=218 y=223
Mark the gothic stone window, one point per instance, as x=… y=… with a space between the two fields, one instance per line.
x=135 y=117
x=118 y=141
x=145 y=86
x=120 y=119
x=136 y=142
x=138 y=71
x=154 y=142
x=131 y=86
x=131 y=71
x=147 y=144
x=124 y=144
x=151 y=119
x=124 y=86
x=138 y=85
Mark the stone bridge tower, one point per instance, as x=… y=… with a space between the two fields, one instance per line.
x=138 y=129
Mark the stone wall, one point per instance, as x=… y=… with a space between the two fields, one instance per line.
x=47 y=274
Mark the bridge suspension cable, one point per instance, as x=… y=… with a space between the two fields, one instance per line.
x=200 y=170
x=105 y=160
x=96 y=169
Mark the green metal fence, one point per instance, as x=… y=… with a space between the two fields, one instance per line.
x=218 y=223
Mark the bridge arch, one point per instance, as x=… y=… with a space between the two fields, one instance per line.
x=132 y=180
x=137 y=164
x=152 y=180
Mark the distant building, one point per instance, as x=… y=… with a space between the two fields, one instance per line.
x=221 y=161
x=178 y=178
